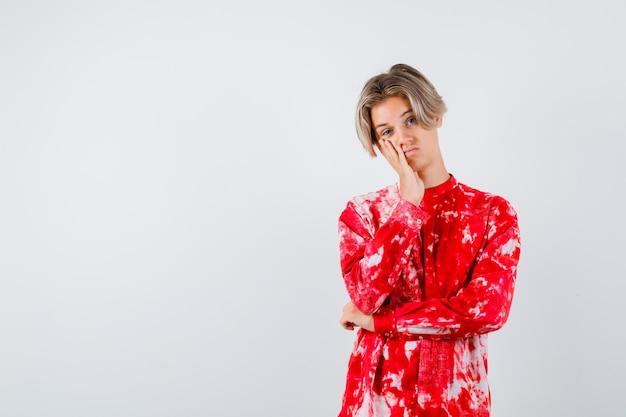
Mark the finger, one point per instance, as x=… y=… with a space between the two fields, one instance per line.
x=400 y=153
x=393 y=150
x=381 y=145
x=347 y=326
x=389 y=151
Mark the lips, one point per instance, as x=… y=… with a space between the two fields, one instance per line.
x=409 y=151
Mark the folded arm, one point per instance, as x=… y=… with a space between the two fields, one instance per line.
x=372 y=260
x=482 y=306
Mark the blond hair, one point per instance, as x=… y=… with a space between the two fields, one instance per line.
x=401 y=81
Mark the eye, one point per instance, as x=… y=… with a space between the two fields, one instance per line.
x=385 y=132
x=411 y=121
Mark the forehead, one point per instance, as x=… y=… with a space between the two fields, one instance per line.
x=389 y=110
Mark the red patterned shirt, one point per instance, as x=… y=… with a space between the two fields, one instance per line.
x=437 y=278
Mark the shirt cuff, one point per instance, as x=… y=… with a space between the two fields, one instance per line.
x=385 y=323
x=409 y=214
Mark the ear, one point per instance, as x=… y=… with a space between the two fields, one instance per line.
x=439 y=121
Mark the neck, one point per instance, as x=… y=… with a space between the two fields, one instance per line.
x=434 y=177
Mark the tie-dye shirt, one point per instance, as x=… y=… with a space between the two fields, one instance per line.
x=437 y=279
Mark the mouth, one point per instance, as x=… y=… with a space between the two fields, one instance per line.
x=410 y=151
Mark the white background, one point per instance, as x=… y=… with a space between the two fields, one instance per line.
x=171 y=173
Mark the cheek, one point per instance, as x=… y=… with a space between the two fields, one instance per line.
x=395 y=140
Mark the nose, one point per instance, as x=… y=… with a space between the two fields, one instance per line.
x=403 y=137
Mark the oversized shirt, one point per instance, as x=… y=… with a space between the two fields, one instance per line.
x=437 y=278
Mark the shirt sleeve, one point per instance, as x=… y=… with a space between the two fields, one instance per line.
x=483 y=305
x=373 y=258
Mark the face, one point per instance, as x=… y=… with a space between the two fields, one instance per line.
x=393 y=119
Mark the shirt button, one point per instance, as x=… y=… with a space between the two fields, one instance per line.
x=419 y=221
x=387 y=334
x=421 y=338
x=407 y=252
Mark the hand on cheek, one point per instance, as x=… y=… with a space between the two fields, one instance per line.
x=411 y=185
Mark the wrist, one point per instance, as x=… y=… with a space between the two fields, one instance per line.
x=369 y=323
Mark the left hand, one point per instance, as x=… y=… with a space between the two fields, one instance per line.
x=353 y=317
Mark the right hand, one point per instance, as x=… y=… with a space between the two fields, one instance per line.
x=411 y=185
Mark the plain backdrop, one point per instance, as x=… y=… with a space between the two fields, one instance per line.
x=171 y=174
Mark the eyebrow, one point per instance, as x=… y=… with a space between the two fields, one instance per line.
x=402 y=115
